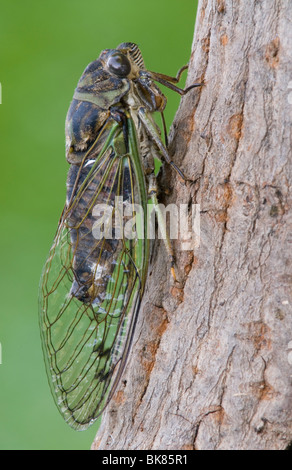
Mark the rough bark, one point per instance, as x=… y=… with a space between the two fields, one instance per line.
x=210 y=366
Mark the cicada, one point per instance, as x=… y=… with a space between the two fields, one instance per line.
x=94 y=278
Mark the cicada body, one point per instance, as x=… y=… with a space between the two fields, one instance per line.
x=94 y=277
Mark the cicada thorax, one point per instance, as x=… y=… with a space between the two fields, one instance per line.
x=96 y=92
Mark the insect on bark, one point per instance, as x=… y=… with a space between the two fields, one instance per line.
x=92 y=286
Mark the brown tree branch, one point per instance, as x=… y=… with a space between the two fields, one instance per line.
x=210 y=367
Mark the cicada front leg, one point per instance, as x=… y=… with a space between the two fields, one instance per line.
x=151 y=131
x=167 y=78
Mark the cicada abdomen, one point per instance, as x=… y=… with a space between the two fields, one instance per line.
x=94 y=254
x=94 y=278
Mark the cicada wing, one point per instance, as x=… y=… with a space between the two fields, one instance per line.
x=91 y=287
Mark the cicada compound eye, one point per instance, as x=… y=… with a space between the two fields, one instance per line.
x=119 y=64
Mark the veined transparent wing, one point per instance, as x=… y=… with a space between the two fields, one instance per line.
x=91 y=286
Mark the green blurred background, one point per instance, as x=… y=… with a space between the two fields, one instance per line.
x=45 y=47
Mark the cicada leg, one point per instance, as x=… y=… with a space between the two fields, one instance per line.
x=171 y=79
x=151 y=131
x=152 y=192
x=168 y=81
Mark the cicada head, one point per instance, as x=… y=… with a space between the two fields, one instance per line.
x=117 y=78
x=126 y=62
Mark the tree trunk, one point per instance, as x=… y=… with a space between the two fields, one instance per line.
x=211 y=362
